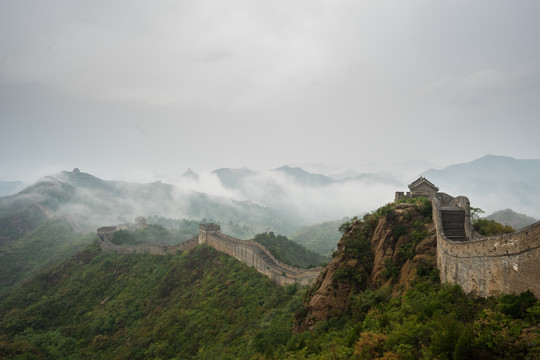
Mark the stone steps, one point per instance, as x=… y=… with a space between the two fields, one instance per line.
x=453 y=219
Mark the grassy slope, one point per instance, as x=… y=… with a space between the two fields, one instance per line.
x=50 y=242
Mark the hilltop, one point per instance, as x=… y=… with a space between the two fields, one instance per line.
x=512 y=218
x=89 y=202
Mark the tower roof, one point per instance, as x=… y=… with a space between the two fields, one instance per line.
x=422 y=180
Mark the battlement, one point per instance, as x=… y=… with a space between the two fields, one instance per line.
x=256 y=255
x=419 y=187
x=482 y=266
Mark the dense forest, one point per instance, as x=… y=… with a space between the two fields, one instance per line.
x=49 y=242
x=288 y=251
x=203 y=304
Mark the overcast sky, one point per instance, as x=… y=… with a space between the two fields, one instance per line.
x=121 y=87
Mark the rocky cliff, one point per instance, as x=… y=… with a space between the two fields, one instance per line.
x=389 y=247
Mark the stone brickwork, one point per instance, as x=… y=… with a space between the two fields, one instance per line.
x=487 y=266
x=256 y=255
x=419 y=187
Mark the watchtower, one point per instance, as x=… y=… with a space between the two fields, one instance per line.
x=419 y=187
x=423 y=187
x=207 y=229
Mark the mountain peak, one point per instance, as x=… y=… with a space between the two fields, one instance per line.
x=189 y=174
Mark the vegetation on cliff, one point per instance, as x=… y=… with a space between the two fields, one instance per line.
x=380 y=298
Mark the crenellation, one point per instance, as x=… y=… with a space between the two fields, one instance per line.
x=249 y=252
x=258 y=256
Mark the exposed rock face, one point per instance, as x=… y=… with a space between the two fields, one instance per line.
x=330 y=299
x=400 y=237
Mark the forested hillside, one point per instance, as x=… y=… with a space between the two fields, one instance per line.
x=198 y=305
x=48 y=243
x=321 y=237
x=378 y=298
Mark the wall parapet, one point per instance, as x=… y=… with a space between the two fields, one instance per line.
x=256 y=255
x=487 y=266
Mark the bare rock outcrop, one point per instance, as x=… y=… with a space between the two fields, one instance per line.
x=398 y=237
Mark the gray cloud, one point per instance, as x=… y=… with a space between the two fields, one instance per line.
x=115 y=87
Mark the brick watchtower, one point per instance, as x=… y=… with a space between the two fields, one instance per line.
x=207 y=229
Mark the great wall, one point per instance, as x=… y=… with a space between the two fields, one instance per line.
x=249 y=252
x=482 y=266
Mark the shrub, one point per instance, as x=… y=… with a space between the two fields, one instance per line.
x=406 y=251
x=391 y=270
x=399 y=230
x=491 y=227
x=516 y=306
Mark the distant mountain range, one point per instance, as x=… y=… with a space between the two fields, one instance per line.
x=44 y=223
x=511 y=218
x=89 y=202
x=52 y=213
x=234 y=178
x=493 y=183
x=291 y=196
x=308 y=196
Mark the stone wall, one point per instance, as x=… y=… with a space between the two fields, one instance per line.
x=491 y=265
x=249 y=252
x=256 y=255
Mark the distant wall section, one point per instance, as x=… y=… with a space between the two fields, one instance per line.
x=106 y=233
x=249 y=252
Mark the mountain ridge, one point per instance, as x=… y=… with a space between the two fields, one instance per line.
x=494 y=182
